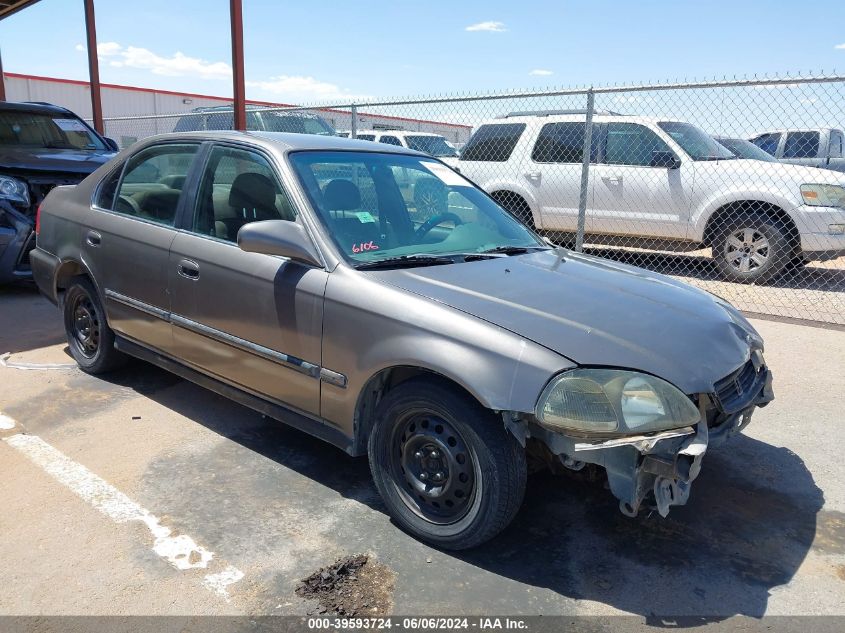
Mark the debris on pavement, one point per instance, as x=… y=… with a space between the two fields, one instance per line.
x=352 y=586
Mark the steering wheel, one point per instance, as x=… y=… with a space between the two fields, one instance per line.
x=434 y=220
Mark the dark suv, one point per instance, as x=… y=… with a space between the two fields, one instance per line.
x=258 y=118
x=41 y=146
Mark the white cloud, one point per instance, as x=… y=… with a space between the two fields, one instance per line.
x=540 y=72
x=300 y=89
x=492 y=27
x=287 y=88
x=840 y=46
x=176 y=65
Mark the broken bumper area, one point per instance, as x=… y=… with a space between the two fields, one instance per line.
x=656 y=471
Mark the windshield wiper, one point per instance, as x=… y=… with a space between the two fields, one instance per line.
x=509 y=250
x=406 y=260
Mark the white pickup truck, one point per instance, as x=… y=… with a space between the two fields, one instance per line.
x=658 y=183
x=818 y=147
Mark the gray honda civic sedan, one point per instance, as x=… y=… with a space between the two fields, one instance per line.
x=296 y=275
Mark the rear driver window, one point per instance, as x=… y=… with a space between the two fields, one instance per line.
x=493 y=142
x=152 y=182
x=801 y=145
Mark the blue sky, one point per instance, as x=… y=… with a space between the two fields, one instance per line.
x=331 y=51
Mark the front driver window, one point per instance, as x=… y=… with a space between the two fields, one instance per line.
x=238 y=187
x=632 y=144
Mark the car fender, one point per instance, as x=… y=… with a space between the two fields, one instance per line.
x=361 y=339
x=722 y=198
x=503 y=184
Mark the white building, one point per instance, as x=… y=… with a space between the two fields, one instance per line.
x=132 y=113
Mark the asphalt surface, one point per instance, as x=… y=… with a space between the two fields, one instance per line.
x=763 y=533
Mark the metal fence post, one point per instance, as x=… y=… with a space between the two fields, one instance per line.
x=585 y=173
x=353 y=127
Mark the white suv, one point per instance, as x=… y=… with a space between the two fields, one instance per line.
x=432 y=144
x=659 y=184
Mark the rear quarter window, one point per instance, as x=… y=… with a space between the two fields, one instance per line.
x=493 y=142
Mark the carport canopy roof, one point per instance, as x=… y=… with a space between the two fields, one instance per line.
x=8 y=7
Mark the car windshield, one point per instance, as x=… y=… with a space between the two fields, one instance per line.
x=434 y=145
x=383 y=206
x=34 y=129
x=695 y=142
x=746 y=149
x=297 y=123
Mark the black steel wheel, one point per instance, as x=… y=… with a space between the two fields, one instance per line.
x=85 y=326
x=446 y=468
x=432 y=467
x=90 y=339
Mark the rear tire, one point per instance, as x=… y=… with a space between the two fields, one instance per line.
x=90 y=339
x=516 y=205
x=446 y=468
x=752 y=248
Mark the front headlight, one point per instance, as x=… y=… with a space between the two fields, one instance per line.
x=605 y=401
x=14 y=190
x=823 y=195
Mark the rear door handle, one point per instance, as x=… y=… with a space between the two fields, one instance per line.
x=534 y=176
x=93 y=238
x=188 y=269
x=614 y=179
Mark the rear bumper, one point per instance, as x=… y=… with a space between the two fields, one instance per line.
x=44 y=268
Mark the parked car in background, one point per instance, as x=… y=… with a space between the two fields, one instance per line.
x=258 y=118
x=41 y=146
x=285 y=272
x=657 y=183
x=745 y=149
x=820 y=147
x=431 y=144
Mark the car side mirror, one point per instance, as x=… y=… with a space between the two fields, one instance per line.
x=112 y=144
x=665 y=158
x=279 y=237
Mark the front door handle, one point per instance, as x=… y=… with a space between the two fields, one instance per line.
x=534 y=176
x=188 y=269
x=93 y=238
x=614 y=180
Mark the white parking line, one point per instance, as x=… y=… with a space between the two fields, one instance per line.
x=180 y=550
x=6 y=423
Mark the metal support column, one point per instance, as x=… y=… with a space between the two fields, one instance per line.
x=353 y=126
x=238 y=91
x=585 y=173
x=93 y=67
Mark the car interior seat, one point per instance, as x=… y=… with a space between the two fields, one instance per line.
x=339 y=197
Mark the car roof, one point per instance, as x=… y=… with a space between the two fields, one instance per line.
x=289 y=141
x=397 y=132
x=577 y=118
x=33 y=106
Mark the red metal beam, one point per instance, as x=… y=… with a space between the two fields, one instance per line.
x=2 y=81
x=93 y=67
x=236 y=18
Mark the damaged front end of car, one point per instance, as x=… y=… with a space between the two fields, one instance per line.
x=647 y=435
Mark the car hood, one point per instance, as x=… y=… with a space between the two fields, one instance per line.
x=779 y=173
x=595 y=312
x=47 y=160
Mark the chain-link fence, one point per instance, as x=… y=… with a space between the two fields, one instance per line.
x=737 y=187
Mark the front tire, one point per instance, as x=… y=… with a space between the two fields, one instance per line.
x=89 y=337
x=752 y=248
x=446 y=468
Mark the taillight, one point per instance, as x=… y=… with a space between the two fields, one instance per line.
x=38 y=220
